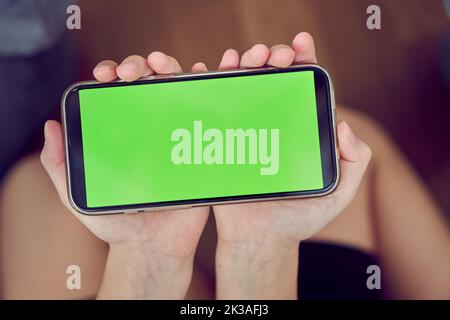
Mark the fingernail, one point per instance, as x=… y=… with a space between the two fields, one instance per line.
x=300 y=36
x=127 y=66
x=157 y=55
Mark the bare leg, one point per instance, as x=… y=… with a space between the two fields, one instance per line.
x=39 y=239
x=394 y=216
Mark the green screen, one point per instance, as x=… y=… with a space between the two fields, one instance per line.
x=200 y=139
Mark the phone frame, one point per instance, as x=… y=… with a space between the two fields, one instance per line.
x=183 y=204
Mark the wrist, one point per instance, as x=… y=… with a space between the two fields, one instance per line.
x=264 y=247
x=252 y=271
x=133 y=273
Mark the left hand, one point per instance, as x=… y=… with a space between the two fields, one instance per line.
x=286 y=222
x=257 y=233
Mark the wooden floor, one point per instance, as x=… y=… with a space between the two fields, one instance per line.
x=391 y=74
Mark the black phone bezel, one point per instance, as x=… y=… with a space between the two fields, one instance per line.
x=74 y=146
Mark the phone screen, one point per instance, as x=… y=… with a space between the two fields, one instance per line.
x=200 y=139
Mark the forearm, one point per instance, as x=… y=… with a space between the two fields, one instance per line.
x=131 y=274
x=256 y=272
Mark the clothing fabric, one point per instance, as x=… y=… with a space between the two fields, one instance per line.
x=331 y=271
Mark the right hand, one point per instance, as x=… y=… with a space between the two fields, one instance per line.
x=170 y=235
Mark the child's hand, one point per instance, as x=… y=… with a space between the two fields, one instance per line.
x=259 y=236
x=151 y=254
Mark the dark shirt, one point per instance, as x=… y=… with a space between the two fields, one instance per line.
x=329 y=271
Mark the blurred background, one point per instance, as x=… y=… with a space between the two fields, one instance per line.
x=399 y=75
x=396 y=75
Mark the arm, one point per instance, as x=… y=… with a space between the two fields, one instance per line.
x=257 y=272
x=257 y=252
x=150 y=254
x=131 y=274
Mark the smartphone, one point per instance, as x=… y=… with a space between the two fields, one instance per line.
x=187 y=140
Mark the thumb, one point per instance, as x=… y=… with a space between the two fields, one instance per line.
x=355 y=156
x=53 y=157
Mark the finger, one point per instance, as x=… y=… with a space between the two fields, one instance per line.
x=133 y=67
x=163 y=64
x=53 y=157
x=230 y=60
x=355 y=156
x=105 y=71
x=256 y=57
x=281 y=56
x=199 y=67
x=303 y=45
